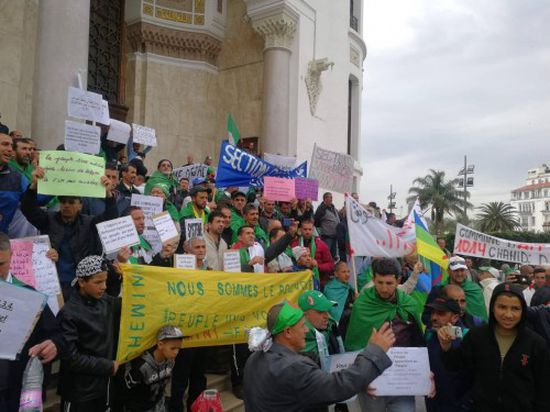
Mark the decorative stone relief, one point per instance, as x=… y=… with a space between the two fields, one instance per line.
x=146 y=37
x=313 y=81
x=277 y=30
x=354 y=56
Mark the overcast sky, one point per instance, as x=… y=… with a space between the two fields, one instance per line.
x=447 y=78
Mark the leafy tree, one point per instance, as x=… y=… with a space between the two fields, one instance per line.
x=442 y=195
x=497 y=217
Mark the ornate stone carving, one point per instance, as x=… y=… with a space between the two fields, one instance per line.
x=277 y=30
x=313 y=81
x=146 y=37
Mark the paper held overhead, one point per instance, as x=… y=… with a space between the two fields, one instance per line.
x=84 y=105
x=119 y=132
x=144 y=135
x=82 y=137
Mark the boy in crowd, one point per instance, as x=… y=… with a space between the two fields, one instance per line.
x=89 y=322
x=146 y=377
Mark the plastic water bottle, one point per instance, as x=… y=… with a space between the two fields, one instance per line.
x=31 y=392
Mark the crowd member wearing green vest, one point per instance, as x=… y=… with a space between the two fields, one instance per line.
x=475 y=302
x=142 y=253
x=23 y=156
x=322 y=337
x=384 y=302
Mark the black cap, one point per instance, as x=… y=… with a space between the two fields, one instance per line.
x=444 y=304
x=200 y=188
x=237 y=193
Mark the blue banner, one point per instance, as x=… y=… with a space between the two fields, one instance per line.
x=239 y=168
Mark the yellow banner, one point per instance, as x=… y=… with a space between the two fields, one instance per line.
x=213 y=308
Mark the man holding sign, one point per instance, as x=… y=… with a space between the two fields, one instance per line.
x=72 y=233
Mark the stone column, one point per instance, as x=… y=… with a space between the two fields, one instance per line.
x=277 y=26
x=61 y=52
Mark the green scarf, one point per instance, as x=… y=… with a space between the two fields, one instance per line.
x=288 y=317
x=475 y=303
x=159 y=178
x=311 y=339
x=369 y=311
x=27 y=171
x=143 y=244
x=245 y=255
x=338 y=292
x=364 y=277
x=313 y=251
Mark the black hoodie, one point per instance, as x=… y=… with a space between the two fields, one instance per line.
x=519 y=383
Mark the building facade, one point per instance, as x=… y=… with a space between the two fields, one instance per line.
x=289 y=71
x=532 y=201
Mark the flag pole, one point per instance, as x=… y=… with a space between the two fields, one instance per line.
x=351 y=254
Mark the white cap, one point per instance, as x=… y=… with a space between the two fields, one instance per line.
x=456 y=263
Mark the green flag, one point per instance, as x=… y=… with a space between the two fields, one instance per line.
x=232 y=131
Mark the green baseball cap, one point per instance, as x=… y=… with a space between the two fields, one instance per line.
x=313 y=299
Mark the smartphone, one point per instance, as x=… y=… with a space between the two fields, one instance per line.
x=456 y=332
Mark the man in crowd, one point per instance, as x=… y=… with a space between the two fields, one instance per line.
x=379 y=304
x=251 y=218
x=72 y=234
x=473 y=273
x=327 y=219
x=339 y=290
x=457 y=294
x=196 y=209
x=280 y=379
x=142 y=253
x=269 y=212
x=215 y=245
x=488 y=281
x=21 y=162
x=238 y=201
x=125 y=188
x=510 y=363
x=227 y=233
x=321 y=259
x=539 y=280
x=453 y=388
x=458 y=276
x=45 y=341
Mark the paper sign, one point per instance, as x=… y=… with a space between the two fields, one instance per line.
x=185 y=261
x=105 y=116
x=194 y=228
x=117 y=233
x=409 y=374
x=151 y=235
x=333 y=170
x=119 y=132
x=277 y=188
x=341 y=361
x=71 y=174
x=165 y=227
x=191 y=172
x=144 y=135
x=286 y=163
x=84 y=105
x=306 y=188
x=150 y=205
x=20 y=308
x=82 y=137
x=232 y=261
x=21 y=262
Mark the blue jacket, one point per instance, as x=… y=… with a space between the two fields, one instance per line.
x=12 y=186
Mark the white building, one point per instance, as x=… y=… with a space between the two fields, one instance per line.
x=289 y=71
x=532 y=201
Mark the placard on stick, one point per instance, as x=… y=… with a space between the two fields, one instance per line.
x=185 y=261
x=165 y=227
x=117 y=233
x=82 y=137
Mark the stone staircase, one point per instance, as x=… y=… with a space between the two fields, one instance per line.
x=220 y=382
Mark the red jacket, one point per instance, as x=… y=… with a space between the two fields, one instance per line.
x=322 y=256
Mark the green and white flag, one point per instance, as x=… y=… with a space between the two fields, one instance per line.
x=232 y=131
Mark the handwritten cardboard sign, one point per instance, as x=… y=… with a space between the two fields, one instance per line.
x=144 y=135
x=185 y=261
x=306 y=188
x=21 y=262
x=71 y=174
x=333 y=170
x=278 y=188
x=84 y=105
x=191 y=172
x=82 y=137
x=20 y=309
x=232 y=261
x=117 y=233
x=165 y=227
x=119 y=132
x=194 y=228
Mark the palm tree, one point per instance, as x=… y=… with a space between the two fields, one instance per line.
x=442 y=195
x=497 y=217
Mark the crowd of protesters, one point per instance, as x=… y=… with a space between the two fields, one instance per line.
x=499 y=361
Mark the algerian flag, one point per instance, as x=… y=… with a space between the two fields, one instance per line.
x=232 y=131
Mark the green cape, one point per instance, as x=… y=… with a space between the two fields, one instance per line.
x=188 y=213
x=369 y=311
x=311 y=339
x=475 y=303
x=158 y=177
x=27 y=171
x=338 y=292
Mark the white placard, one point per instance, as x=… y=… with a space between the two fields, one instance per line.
x=82 y=137
x=194 y=228
x=232 y=261
x=185 y=261
x=409 y=374
x=20 y=308
x=333 y=170
x=341 y=361
x=144 y=135
x=105 y=116
x=117 y=233
x=165 y=227
x=119 y=132
x=150 y=205
x=151 y=235
x=191 y=172
x=84 y=105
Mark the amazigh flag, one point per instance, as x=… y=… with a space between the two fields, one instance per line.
x=232 y=131
x=428 y=250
